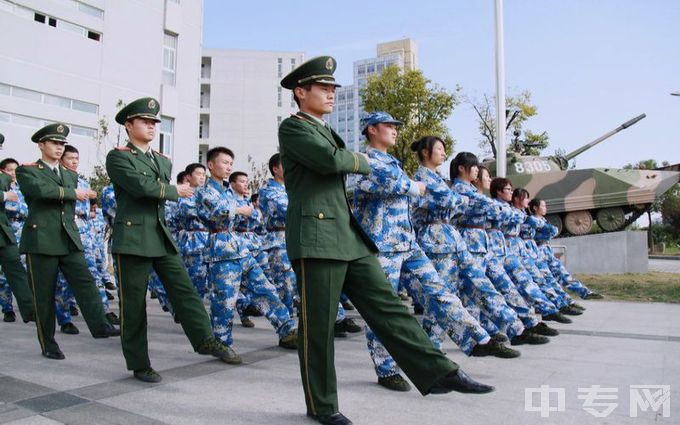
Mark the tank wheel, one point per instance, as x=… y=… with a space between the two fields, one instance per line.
x=611 y=219
x=556 y=221
x=578 y=222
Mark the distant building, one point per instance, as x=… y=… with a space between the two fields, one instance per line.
x=72 y=60
x=242 y=102
x=348 y=109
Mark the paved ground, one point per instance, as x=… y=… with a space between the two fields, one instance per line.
x=613 y=345
x=670 y=266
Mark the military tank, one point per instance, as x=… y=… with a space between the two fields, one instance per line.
x=576 y=198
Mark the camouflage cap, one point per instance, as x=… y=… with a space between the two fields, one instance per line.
x=378 y=117
x=146 y=107
x=317 y=70
x=56 y=132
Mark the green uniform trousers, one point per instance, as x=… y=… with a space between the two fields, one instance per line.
x=320 y=282
x=42 y=275
x=16 y=278
x=133 y=276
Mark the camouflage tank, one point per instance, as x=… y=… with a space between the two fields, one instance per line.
x=612 y=197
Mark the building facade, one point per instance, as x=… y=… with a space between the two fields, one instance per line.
x=349 y=109
x=75 y=61
x=243 y=103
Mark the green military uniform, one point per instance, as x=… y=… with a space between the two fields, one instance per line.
x=141 y=240
x=9 y=258
x=51 y=242
x=331 y=253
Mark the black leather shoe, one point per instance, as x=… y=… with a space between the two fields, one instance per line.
x=459 y=381
x=557 y=317
x=73 y=310
x=112 y=318
x=500 y=337
x=9 y=316
x=418 y=309
x=219 y=349
x=543 y=329
x=334 y=419
x=395 y=383
x=54 y=355
x=496 y=349
x=30 y=317
x=106 y=331
x=148 y=375
x=70 y=329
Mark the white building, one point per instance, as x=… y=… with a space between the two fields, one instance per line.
x=73 y=60
x=242 y=103
x=348 y=111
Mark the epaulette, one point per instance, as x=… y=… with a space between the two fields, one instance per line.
x=122 y=148
x=164 y=156
x=30 y=164
x=300 y=117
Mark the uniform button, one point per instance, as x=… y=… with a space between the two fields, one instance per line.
x=62 y=213
x=144 y=172
x=35 y=226
x=158 y=179
x=129 y=223
x=321 y=216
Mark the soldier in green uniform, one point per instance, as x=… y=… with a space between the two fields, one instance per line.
x=331 y=254
x=141 y=241
x=14 y=271
x=51 y=241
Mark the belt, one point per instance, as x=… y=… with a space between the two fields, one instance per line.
x=443 y=221
x=526 y=239
x=276 y=228
x=195 y=230
x=509 y=235
x=493 y=228
x=222 y=230
x=470 y=226
x=241 y=230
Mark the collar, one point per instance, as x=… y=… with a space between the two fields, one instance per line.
x=140 y=150
x=217 y=185
x=382 y=156
x=274 y=183
x=312 y=117
x=48 y=165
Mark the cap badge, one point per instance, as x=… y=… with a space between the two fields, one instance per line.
x=152 y=104
x=329 y=64
x=60 y=128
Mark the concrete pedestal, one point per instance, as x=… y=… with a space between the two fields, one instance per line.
x=616 y=252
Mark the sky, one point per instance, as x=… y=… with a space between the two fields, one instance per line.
x=590 y=65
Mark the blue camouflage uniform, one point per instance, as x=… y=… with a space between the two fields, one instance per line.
x=193 y=243
x=274 y=205
x=16 y=212
x=101 y=253
x=230 y=263
x=495 y=270
x=527 y=231
x=482 y=297
x=382 y=200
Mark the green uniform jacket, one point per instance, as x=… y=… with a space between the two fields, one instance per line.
x=50 y=228
x=319 y=222
x=6 y=233
x=141 y=188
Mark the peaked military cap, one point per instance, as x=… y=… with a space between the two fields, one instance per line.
x=146 y=107
x=56 y=132
x=317 y=70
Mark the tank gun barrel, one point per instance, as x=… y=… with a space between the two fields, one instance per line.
x=607 y=135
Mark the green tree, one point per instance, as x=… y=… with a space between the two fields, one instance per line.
x=99 y=178
x=519 y=109
x=420 y=104
x=258 y=175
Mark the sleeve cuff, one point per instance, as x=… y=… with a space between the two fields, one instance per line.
x=414 y=190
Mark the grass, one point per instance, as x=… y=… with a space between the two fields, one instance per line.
x=652 y=286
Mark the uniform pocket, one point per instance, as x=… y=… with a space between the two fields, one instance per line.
x=318 y=227
x=129 y=229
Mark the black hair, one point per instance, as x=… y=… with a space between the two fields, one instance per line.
x=193 y=166
x=520 y=194
x=181 y=176
x=217 y=151
x=466 y=160
x=305 y=87
x=69 y=149
x=254 y=197
x=235 y=175
x=5 y=162
x=274 y=161
x=498 y=185
x=426 y=144
x=534 y=204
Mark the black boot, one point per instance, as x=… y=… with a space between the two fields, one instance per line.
x=557 y=317
x=9 y=316
x=543 y=329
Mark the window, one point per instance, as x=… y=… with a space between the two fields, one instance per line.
x=90 y=10
x=57 y=23
x=279 y=62
x=48 y=99
x=361 y=70
x=4 y=89
x=83 y=131
x=370 y=69
x=279 y=95
x=167 y=129
x=292 y=100
x=27 y=94
x=169 y=58
x=36 y=123
x=84 y=106
x=292 y=64
x=278 y=121
x=57 y=101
